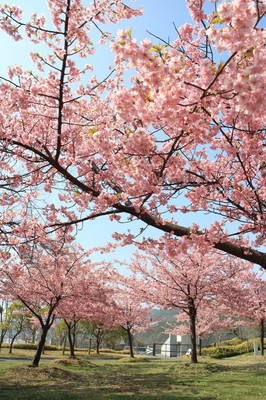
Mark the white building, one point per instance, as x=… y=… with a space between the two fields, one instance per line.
x=176 y=345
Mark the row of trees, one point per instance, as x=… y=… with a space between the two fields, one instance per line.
x=186 y=136
x=211 y=291
x=57 y=280
x=17 y=323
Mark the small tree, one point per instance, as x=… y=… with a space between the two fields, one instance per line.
x=59 y=334
x=17 y=318
x=71 y=326
x=127 y=309
x=3 y=322
x=97 y=332
x=89 y=302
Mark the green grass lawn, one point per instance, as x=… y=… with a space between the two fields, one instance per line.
x=237 y=378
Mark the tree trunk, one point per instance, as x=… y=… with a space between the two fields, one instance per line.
x=34 y=332
x=192 y=323
x=1 y=321
x=262 y=337
x=12 y=342
x=89 y=349
x=71 y=342
x=37 y=357
x=64 y=345
x=130 y=342
x=200 y=346
x=3 y=333
x=71 y=338
x=74 y=333
x=98 y=342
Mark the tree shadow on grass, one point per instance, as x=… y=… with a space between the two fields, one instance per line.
x=23 y=383
x=254 y=369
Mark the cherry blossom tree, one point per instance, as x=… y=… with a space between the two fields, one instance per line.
x=90 y=302
x=247 y=300
x=212 y=318
x=256 y=304
x=97 y=331
x=42 y=280
x=129 y=311
x=185 y=136
x=71 y=334
x=175 y=274
x=102 y=334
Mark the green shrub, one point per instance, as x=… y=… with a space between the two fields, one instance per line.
x=114 y=351
x=219 y=352
x=30 y=346
x=229 y=348
x=232 y=342
x=26 y=346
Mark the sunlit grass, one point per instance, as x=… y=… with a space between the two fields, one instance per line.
x=29 y=354
x=241 y=377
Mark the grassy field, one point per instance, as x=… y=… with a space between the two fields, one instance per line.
x=236 y=378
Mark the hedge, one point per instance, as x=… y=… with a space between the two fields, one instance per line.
x=30 y=346
x=229 y=349
x=33 y=346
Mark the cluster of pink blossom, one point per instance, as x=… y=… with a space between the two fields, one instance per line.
x=173 y=129
x=185 y=135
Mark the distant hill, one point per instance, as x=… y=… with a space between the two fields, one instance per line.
x=156 y=334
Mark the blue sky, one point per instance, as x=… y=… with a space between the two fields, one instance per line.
x=158 y=18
